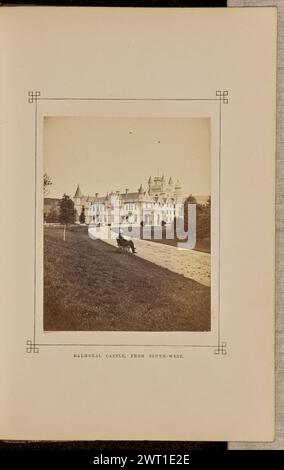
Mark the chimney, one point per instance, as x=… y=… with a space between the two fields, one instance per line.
x=97 y=194
x=126 y=191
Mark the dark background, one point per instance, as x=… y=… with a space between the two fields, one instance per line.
x=79 y=454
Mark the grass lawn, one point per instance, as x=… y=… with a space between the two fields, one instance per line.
x=89 y=285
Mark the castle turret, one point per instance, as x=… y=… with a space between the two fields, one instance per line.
x=170 y=187
x=78 y=194
x=141 y=192
x=150 y=184
x=178 y=192
x=78 y=201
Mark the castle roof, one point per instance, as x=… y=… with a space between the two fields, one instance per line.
x=130 y=197
x=78 y=192
x=99 y=199
x=127 y=196
x=91 y=199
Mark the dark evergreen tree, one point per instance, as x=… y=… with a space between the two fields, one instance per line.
x=67 y=213
x=82 y=218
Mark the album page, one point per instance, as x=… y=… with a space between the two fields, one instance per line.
x=137 y=237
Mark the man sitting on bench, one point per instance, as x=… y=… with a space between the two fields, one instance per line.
x=129 y=242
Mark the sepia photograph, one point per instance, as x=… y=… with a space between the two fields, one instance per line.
x=126 y=216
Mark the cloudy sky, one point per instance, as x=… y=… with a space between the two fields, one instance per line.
x=105 y=154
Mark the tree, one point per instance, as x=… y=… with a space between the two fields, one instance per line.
x=67 y=213
x=202 y=219
x=47 y=181
x=82 y=218
x=52 y=216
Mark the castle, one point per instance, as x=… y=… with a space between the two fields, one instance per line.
x=157 y=204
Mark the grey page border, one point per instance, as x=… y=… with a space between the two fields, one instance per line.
x=278 y=443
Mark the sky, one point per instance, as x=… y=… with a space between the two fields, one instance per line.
x=108 y=154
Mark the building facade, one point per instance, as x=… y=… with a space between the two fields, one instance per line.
x=156 y=204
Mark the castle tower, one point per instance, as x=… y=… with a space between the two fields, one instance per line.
x=158 y=185
x=141 y=193
x=78 y=201
x=170 y=187
x=78 y=194
x=178 y=192
x=163 y=184
x=150 y=184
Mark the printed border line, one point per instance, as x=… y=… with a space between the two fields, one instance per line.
x=222 y=97
x=127 y=99
x=35 y=231
x=219 y=348
x=219 y=221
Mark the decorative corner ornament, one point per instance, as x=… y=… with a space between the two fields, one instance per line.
x=31 y=347
x=221 y=348
x=223 y=96
x=33 y=96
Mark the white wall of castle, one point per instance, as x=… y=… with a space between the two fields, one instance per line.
x=118 y=212
x=162 y=202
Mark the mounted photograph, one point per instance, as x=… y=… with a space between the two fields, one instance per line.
x=127 y=224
